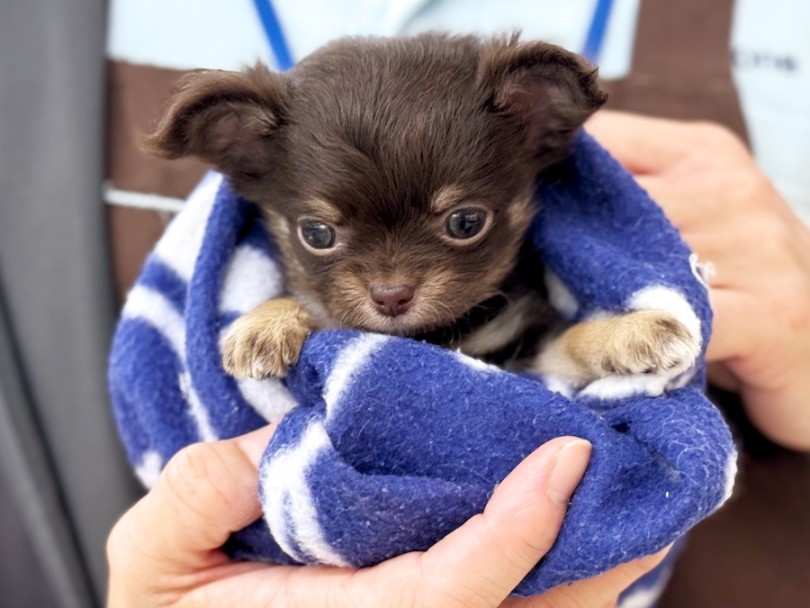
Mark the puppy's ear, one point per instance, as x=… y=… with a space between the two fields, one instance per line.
x=552 y=91
x=224 y=118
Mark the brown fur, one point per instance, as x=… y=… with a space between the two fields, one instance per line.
x=382 y=138
x=266 y=341
x=644 y=341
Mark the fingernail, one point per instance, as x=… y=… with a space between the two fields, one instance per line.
x=254 y=443
x=572 y=460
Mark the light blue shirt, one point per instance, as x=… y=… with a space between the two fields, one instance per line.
x=185 y=34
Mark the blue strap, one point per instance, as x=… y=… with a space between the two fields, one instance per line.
x=278 y=42
x=274 y=33
x=596 y=31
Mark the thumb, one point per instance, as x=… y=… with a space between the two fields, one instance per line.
x=484 y=560
x=205 y=492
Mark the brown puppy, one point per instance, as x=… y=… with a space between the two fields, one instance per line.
x=397 y=176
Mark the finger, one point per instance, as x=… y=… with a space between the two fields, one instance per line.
x=516 y=529
x=206 y=492
x=656 y=145
x=641 y=144
x=483 y=561
x=316 y=586
x=781 y=414
x=734 y=336
x=683 y=209
x=698 y=199
x=599 y=590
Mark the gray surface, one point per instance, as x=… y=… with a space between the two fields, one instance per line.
x=21 y=573
x=31 y=494
x=59 y=451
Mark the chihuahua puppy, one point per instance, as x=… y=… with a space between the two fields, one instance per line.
x=397 y=177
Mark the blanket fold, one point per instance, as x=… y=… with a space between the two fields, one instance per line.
x=387 y=444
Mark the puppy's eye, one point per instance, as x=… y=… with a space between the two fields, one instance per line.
x=466 y=223
x=317 y=234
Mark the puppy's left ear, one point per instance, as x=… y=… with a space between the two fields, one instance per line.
x=550 y=90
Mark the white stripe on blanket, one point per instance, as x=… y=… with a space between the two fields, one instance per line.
x=179 y=246
x=252 y=278
x=154 y=308
x=290 y=510
x=205 y=431
x=148 y=468
x=476 y=364
x=349 y=363
x=646 y=597
x=731 y=477
x=269 y=398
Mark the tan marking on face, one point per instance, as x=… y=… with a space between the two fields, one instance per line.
x=322 y=210
x=295 y=273
x=280 y=229
x=520 y=213
x=446 y=198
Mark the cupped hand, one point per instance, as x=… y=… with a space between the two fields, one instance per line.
x=165 y=550
x=729 y=213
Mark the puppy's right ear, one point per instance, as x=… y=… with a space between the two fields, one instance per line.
x=225 y=118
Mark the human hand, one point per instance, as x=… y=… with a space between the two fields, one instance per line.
x=729 y=213
x=165 y=549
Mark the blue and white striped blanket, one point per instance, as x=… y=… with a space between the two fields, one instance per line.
x=387 y=444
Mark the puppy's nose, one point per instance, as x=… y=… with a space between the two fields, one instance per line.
x=391 y=300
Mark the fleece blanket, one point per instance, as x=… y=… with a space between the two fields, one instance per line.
x=387 y=444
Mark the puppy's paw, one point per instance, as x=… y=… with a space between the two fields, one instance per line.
x=266 y=341
x=640 y=342
x=648 y=342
